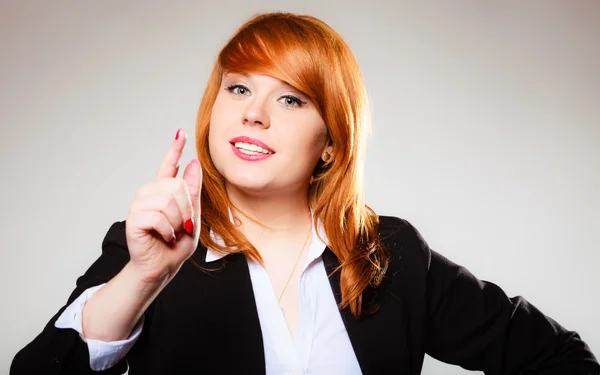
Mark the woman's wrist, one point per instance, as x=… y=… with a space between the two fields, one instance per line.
x=113 y=311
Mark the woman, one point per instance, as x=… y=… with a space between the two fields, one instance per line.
x=264 y=257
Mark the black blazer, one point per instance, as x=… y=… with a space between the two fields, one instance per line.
x=207 y=323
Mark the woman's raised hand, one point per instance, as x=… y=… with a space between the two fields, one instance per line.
x=162 y=228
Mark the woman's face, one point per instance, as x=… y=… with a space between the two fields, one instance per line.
x=265 y=136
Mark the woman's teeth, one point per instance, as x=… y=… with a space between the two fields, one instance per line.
x=250 y=149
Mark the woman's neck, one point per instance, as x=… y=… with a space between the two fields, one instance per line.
x=281 y=216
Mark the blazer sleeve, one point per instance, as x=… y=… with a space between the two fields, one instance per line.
x=62 y=351
x=103 y=354
x=474 y=324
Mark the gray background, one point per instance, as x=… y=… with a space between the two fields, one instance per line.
x=486 y=133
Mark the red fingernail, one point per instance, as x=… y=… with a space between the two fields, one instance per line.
x=189 y=226
x=177 y=135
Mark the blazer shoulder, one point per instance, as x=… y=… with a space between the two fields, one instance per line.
x=403 y=241
x=400 y=230
x=116 y=234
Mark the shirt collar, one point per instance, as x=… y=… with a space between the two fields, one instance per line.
x=316 y=245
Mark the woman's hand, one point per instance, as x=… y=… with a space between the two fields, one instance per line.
x=162 y=228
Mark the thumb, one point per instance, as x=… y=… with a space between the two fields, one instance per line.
x=193 y=177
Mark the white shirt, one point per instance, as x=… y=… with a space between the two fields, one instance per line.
x=321 y=345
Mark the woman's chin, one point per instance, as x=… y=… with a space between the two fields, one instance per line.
x=249 y=185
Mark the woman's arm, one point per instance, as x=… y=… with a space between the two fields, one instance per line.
x=62 y=351
x=474 y=324
x=103 y=354
x=113 y=311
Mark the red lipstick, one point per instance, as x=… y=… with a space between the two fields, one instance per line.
x=253 y=141
x=250 y=157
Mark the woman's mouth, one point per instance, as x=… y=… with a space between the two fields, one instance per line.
x=251 y=149
x=250 y=152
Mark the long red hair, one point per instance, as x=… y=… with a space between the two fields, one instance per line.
x=309 y=55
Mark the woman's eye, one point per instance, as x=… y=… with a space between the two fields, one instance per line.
x=292 y=101
x=238 y=89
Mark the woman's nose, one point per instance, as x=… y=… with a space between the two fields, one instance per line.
x=256 y=114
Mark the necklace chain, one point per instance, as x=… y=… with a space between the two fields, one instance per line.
x=295 y=265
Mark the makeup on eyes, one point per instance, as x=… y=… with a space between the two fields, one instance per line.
x=243 y=90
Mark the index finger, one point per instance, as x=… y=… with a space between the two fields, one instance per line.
x=170 y=163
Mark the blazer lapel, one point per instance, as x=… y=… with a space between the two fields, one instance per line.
x=378 y=336
x=235 y=341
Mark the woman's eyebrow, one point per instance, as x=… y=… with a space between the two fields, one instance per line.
x=284 y=84
x=247 y=75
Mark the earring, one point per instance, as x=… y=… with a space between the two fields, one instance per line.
x=326 y=156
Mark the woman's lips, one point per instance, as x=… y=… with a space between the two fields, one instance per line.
x=253 y=141
x=249 y=157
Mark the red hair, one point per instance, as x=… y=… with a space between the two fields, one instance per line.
x=309 y=55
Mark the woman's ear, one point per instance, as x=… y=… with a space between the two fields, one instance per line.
x=327 y=153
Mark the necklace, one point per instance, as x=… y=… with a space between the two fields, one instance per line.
x=293 y=269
